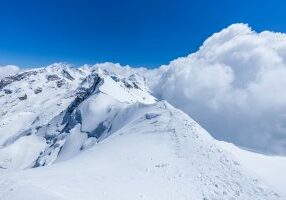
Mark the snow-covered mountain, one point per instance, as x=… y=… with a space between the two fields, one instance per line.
x=39 y=108
x=98 y=133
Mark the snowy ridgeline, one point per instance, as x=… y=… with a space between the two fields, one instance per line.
x=102 y=135
x=42 y=107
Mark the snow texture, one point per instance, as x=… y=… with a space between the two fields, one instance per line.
x=102 y=135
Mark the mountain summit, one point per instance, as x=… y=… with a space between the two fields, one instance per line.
x=92 y=133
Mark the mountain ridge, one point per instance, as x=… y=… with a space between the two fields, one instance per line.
x=110 y=128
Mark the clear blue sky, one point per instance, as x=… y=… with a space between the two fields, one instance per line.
x=139 y=33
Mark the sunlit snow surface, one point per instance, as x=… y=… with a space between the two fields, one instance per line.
x=113 y=140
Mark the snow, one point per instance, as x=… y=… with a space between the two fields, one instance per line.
x=38 y=109
x=124 y=94
x=166 y=156
x=8 y=70
x=12 y=124
x=270 y=168
x=13 y=157
x=97 y=109
x=72 y=145
x=103 y=136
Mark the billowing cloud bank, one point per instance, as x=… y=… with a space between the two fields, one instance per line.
x=8 y=70
x=235 y=86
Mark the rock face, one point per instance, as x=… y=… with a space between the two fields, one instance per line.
x=50 y=106
x=105 y=136
x=52 y=77
x=10 y=79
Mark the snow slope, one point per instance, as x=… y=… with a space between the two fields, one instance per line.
x=269 y=168
x=34 y=97
x=47 y=103
x=159 y=154
x=28 y=101
x=113 y=140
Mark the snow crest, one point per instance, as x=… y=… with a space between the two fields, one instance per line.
x=100 y=134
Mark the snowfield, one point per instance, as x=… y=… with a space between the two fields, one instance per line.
x=95 y=134
x=270 y=168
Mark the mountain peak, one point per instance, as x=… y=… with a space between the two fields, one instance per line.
x=108 y=126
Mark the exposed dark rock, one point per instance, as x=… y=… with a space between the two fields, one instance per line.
x=98 y=131
x=73 y=121
x=67 y=75
x=38 y=90
x=151 y=115
x=128 y=85
x=136 y=86
x=10 y=79
x=138 y=81
x=2 y=167
x=53 y=77
x=115 y=78
x=60 y=83
x=82 y=94
x=67 y=120
x=36 y=120
x=8 y=91
x=24 y=97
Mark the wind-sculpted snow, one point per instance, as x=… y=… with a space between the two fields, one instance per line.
x=155 y=152
x=21 y=117
x=50 y=111
x=101 y=135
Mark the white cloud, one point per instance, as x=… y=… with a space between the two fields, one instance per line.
x=235 y=86
x=8 y=70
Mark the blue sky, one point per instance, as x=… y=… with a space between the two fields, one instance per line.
x=139 y=33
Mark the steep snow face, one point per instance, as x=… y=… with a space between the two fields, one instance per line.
x=154 y=152
x=51 y=102
x=92 y=113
